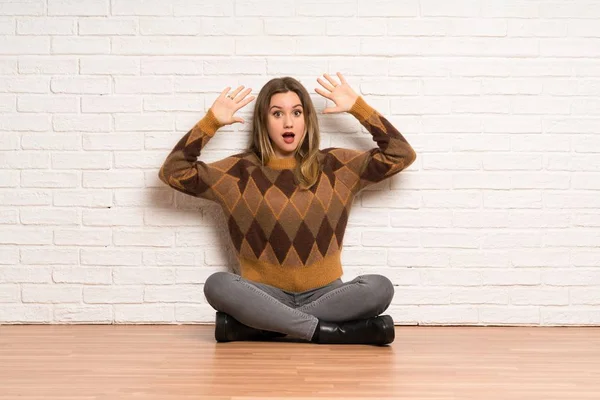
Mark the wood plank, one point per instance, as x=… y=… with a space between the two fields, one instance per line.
x=93 y=362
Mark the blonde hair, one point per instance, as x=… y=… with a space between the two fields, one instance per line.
x=307 y=165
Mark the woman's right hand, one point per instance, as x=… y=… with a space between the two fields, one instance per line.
x=225 y=106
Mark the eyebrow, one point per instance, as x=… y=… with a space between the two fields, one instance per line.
x=282 y=107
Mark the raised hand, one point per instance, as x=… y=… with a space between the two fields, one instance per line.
x=340 y=93
x=225 y=106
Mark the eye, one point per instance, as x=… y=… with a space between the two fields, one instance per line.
x=296 y=112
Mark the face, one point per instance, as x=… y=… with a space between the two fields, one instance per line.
x=285 y=123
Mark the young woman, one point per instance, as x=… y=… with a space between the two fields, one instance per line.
x=287 y=204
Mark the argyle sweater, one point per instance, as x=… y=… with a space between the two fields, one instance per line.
x=283 y=235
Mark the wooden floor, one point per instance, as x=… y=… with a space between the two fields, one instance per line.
x=112 y=362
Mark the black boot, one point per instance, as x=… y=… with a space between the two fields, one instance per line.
x=228 y=329
x=377 y=330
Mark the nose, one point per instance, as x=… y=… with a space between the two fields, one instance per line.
x=288 y=122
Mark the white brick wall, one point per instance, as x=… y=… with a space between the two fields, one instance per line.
x=497 y=222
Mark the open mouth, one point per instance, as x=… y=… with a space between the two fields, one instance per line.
x=288 y=137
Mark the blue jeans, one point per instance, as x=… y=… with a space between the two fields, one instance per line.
x=296 y=314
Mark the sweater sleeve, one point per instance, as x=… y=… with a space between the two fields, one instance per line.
x=183 y=172
x=392 y=154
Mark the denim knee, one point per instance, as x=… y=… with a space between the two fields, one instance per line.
x=382 y=290
x=215 y=285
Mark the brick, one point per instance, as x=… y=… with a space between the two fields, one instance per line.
x=49 y=216
x=146 y=276
x=47 y=104
x=81 y=161
x=49 y=256
x=179 y=45
x=24 y=45
x=173 y=294
x=117 y=65
x=78 y=7
x=141 y=7
x=191 y=66
x=82 y=237
x=80 y=45
x=54 y=65
x=32 y=313
x=55 y=293
x=81 y=85
x=170 y=26
x=49 y=179
x=103 y=26
x=81 y=123
x=84 y=314
x=45 y=26
x=144 y=313
x=112 y=217
x=91 y=276
x=111 y=257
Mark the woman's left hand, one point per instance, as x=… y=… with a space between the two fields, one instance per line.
x=340 y=93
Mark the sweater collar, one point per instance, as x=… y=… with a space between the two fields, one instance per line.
x=282 y=163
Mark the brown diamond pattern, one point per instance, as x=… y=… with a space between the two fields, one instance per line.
x=302 y=200
x=290 y=220
x=280 y=242
x=324 y=236
x=228 y=191
x=342 y=192
x=314 y=217
x=297 y=227
x=235 y=233
x=268 y=255
x=256 y=238
x=292 y=259
x=341 y=226
x=315 y=255
x=278 y=223
x=271 y=219
x=303 y=242
x=346 y=176
x=252 y=196
x=285 y=182
x=266 y=217
x=262 y=183
x=276 y=200
x=332 y=248
x=247 y=250
x=335 y=210
x=242 y=216
x=324 y=192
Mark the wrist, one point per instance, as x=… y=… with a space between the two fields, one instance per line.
x=360 y=109
x=209 y=124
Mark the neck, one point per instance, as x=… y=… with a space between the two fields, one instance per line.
x=282 y=163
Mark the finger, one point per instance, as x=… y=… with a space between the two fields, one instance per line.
x=323 y=93
x=342 y=79
x=244 y=102
x=236 y=91
x=245 y=93
x=225 y=91
x=325 y=84
x=330 y=79
x=241 y=96
x=238 y=119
